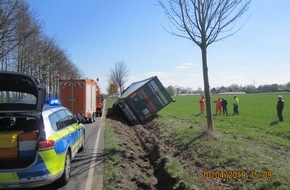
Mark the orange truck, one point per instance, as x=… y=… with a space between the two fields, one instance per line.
x=79 y=96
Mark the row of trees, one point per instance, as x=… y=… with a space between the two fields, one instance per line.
x=26 y=49
x=177 y=90
x=252 y=88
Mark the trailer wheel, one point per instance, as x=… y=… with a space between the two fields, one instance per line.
x=92 y=119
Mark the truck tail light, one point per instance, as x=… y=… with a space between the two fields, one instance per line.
x=45 y=145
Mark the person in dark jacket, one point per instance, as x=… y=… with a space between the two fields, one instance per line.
x=279 y=107
x=225 y=106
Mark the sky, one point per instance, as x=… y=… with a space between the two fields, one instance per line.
x=96 y=34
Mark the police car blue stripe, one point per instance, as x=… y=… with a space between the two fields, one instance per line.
x=61 y=145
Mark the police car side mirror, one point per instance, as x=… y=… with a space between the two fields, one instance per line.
x=80 y=120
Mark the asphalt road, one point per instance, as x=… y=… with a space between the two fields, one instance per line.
x=87 y=166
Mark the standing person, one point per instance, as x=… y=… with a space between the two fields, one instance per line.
x=236 y=105
x=279 y=107
x=225 y=106
x=218 y=104
x=202 y=104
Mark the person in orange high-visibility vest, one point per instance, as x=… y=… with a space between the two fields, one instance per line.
x=218 y=104
x=202 y=104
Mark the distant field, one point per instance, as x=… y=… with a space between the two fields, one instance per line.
x=253 y=142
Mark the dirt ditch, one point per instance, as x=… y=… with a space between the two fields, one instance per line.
x=144 y=161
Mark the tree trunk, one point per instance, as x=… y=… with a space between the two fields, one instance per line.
x=210 y=124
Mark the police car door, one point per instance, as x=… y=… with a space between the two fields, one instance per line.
x=70 y=125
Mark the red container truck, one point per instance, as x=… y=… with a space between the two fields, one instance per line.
x=141 y=101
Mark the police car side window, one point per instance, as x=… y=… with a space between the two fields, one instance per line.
x=72 y=119
x=67 y=118
x=63 y=118
x=54 y=121
x=62 y=114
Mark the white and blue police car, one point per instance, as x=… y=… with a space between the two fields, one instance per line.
x=38 y=139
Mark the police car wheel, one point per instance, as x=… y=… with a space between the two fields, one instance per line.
x=67 y=169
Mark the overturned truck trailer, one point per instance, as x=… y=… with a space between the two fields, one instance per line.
x=143 y=99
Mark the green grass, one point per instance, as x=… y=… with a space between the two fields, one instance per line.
x=112 y=173
x=252 y=141
x=175 y=167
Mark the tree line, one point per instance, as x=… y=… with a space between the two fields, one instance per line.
x=252 y=88
x=24 y=48
x=177 y=90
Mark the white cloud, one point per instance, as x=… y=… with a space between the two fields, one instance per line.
x=184 y=65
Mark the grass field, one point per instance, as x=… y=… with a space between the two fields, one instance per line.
x=253 y=142
x=248 y=151
x=112 y=174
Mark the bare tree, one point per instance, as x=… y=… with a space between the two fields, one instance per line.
x=8 y=37
x=27 y=30
x=204 y=22
x=119 y=75
x=25 y=49
x=287 y=86
x=170 y=90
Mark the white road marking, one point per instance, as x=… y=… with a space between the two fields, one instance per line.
x=93 y=164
